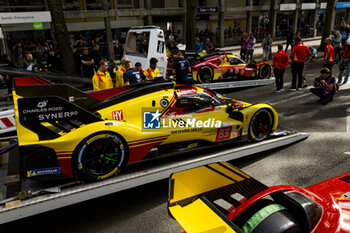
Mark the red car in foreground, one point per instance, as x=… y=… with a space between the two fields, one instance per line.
x=220 y=198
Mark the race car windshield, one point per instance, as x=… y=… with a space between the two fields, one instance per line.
x=235 y=61
x=218 y=98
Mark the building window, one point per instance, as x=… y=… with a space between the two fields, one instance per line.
x=181 y=3
x=157 y=3
x=125 y=3
x=94 y=4
x=202 y=2
x=71 y=5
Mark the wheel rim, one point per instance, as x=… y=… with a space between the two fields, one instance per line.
x=265 y=72
x=205 y=75
x=101 y=156
x=262 y=125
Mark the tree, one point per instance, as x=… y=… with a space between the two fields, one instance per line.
x=272 y=17
x=62 y=36
x=109 y=38
x=327 y=26
x=191 y=9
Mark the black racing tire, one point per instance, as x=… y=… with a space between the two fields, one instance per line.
x=205 y=74
x=260 y=125
x=99 y=156
x=265 y=71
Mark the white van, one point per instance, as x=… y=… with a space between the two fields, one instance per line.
x=143 y=43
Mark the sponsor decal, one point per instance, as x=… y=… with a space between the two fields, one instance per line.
x=118 y=115
x=151 y=120
x=224 y=133
x=44 y=171
x=237 y=134
x=182 y=92
x=57 y=115
x=192 y=145
x=345 y=196
x=74 y=98
x=42 y=104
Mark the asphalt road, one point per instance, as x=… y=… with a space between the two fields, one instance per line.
x=323 y=155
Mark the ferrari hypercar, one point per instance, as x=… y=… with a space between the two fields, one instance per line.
x=220 y=198
x=91 y=136
x=221 y=66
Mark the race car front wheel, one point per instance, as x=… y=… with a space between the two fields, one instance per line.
x=265 y=71
x=99 y=156
x=260 y=125
x=205 y=74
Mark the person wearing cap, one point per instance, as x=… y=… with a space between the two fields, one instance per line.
x=298 y=55
x=131 y=75
x=181 y=67
x=119 y=80
x=325 y=86
x=280 y=63
x=102 y=80
x=328 y=54
x=152 y=71
x=87 y=63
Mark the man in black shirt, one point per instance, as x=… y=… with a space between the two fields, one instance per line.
x=53 y=62
x=132 y=76
x=290 y=35
x=87 y=62
x=181 y=67
x=96 y=55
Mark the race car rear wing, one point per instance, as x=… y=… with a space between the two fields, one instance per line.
x=201 y=198
x=34 y=114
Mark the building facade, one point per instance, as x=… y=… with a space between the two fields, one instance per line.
x=87 y=16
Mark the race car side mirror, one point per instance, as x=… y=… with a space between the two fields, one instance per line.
x=232 y=106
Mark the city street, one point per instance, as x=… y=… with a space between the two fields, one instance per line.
x=323 y=155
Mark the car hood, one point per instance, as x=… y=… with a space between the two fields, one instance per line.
x=334 y=196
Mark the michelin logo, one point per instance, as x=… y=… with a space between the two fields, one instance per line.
x=151 y=120
x=44 y=171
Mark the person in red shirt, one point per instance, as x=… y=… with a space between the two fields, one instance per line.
x=328 y=54
x=344 y=64
x=298 y=55
x=280 y=63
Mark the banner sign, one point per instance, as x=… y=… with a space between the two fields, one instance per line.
x=38 y=26
x=207 y=10
x=342 y=5
x=25 y=17
x=308 y=6
x=288 y=7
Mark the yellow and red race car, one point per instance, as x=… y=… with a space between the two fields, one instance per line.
x=221 y=66
x=91 y=136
